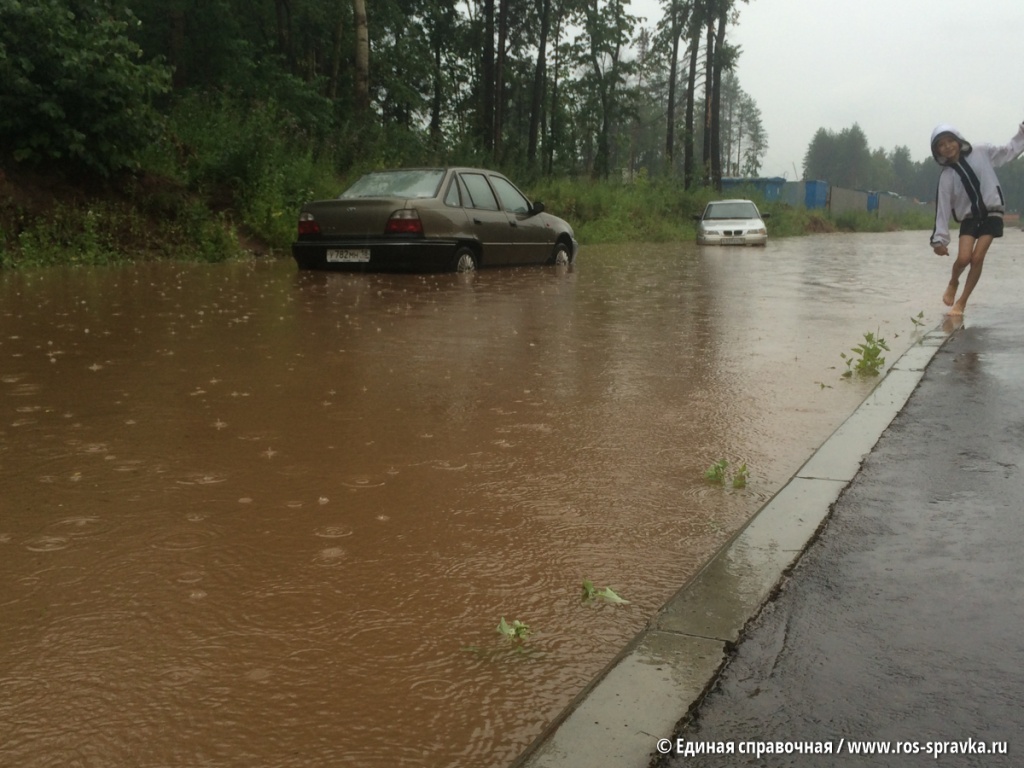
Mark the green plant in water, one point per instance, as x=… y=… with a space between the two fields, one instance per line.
x=716 y=472
x=919 y=320
x=867 y=359
x=590 y=592
x=516 y=632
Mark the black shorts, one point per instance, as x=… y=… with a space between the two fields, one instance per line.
x=990 y=225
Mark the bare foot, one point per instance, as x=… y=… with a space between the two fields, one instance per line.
x=957 y=310
x=951 y=323
x=950 y=294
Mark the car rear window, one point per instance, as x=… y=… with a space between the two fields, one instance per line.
x=731 y=211
x=396 y=184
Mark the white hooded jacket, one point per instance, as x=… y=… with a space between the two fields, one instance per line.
x=969 y=187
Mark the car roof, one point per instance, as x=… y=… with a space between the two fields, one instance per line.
x=444 y=168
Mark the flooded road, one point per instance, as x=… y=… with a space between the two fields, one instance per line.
x=256 y=517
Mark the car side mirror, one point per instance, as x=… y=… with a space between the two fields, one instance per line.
x=697 y=217
x=766 y=215
x=536 y=208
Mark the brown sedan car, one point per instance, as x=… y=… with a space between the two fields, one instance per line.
x=430 y=219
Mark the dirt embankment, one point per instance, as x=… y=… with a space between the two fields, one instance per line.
x=136 y=215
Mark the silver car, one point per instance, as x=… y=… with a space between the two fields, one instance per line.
x=731 y=222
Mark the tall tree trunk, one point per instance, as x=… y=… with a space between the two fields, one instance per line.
x=335 y=76
x=709 y=84
x=284 y=29
x=487 y=75
x=553 y=124
x=438 y=100
x=606 y=80
x=689 y=151
x=716 y=100
x=670 y=123
x=362 y=63
x=176 y=47
x=539 y=77
x=499 y=77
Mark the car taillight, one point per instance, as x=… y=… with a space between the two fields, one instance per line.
x=308 y=225
x=404 y=222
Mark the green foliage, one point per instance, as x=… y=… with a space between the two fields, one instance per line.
x=866 y=358
x=857 y=221
x=204 y=42
x=845 y=160
x=865 y=221
x=70 y=236
x=516 y=632
x=140 y=220
x=840 y=158
x=614 y=212
x=590 y=592
x=788 y=221
x=73 y=87
x=261 y=119
x=254 y=158
x=716 y=472
x=651 y=211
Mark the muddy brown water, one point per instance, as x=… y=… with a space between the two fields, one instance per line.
x=251 y=516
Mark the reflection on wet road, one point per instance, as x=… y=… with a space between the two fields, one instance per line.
x=251 y=516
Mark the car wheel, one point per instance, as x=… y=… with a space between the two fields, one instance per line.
x=465 y=260
x=561 y=256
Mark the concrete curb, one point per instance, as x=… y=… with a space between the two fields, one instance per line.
x=652 y=684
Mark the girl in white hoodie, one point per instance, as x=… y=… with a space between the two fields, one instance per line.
x=969 y=193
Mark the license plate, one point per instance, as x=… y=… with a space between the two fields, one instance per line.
x=347 y=255
x=732 y=241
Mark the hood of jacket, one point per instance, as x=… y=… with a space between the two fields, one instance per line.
x=965 y=145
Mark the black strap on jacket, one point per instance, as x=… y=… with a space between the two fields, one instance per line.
x=973 y=188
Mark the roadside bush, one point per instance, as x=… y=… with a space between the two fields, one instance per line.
x=251 y=158
x=858 y=221
x=73 y=88
x=69 y=235
x=613 y=212
x=44 y=222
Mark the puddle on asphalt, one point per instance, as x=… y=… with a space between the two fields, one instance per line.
x=256 y=516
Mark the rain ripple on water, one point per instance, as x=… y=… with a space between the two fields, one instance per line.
x=303 y=502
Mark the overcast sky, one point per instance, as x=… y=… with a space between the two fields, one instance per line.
x=897 y=68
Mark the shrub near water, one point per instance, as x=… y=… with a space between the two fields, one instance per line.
x=133 y=219
x=201 y=197
x=612 y=212
x=866 y=358
x=252 y=159
x=74 y=89
x=662 y=211
x=222 y=172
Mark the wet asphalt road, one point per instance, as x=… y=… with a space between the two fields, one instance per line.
x=903 y=624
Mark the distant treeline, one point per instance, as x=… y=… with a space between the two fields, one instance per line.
x=542 y=87
x=844 y=159
x=188 y=129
